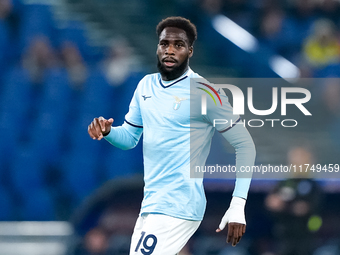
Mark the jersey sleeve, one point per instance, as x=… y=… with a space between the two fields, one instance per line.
x=134 y=117
x=124 y=137
x=245 y=150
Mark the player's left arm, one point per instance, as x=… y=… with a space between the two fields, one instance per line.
x=235 y=132
x=239 y=137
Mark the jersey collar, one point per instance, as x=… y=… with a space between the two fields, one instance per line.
x=167 y=84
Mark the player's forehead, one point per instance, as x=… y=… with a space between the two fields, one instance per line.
x=173 y=34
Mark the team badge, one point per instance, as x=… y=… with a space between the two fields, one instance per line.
x=177 y=102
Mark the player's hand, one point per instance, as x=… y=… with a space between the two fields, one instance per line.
x=236 y=221
x=99 y=128
x=235 y=232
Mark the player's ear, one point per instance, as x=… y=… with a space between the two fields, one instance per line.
x=191 y=51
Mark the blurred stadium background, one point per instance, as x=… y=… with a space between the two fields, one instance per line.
x=63 y=62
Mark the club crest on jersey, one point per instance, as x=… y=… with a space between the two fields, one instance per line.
x=177 y=102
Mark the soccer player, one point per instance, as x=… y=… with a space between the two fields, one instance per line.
x=173 y=203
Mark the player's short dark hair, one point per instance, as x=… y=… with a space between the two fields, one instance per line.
x=179 y=22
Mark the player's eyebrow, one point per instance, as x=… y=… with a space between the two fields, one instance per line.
x=176 y=41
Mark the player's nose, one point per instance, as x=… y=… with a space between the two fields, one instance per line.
x=170 y=50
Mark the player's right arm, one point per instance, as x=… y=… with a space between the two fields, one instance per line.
x=99 y=128
x=124 y=137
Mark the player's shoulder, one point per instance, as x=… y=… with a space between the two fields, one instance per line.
x=200 y=81
x=201 y=86
x=151 y=76
x=197 y=78
x=193 y=74
x=148 y=79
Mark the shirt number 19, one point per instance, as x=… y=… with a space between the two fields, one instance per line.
x=147 y=248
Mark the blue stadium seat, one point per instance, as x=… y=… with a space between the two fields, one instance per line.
x=81 y=146
x=46 y=137
x=6 y=205
x=39 y=205
x=97 y=90
x=27 y=171
x=79 y=175
x=37 y=20
x=9 y=135
x=122 y=97
x=57 y=93
x=4 y=44
x=74 y=31
x=120 y=163
x=294 y=32
x=17 y=93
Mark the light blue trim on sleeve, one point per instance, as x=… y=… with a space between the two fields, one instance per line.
x=124 y=137
x=239 y=137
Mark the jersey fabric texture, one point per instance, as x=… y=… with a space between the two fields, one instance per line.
x=162 y=110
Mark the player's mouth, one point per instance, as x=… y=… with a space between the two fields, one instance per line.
x=169 y=62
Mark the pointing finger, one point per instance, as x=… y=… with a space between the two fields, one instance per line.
x=102 y=123
x=97 y=128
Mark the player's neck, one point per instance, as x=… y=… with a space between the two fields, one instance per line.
x=166 y=79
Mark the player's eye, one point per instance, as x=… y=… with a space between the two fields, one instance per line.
x=179 y=45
